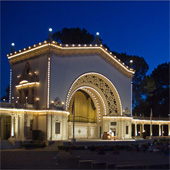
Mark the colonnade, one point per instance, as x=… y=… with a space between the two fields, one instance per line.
x=142 y=124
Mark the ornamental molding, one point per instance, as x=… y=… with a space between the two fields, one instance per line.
x=101 y=85
x=68 y=50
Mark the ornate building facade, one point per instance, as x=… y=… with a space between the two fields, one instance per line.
x=51 y=81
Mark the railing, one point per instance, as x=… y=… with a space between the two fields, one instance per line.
x=148 y=118
x=82 y=119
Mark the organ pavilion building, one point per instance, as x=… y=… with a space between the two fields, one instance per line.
x=49 y=81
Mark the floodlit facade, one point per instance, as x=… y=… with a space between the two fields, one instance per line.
x=49 y=82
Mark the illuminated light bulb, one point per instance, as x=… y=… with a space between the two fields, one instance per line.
x=60 y=44
x=13 y=44
x=101 y=45
x=7 y=55
x=96 y=45
x=34 y=45
x=15 y=52
x=114 y=56
x=50 y=29
x=79 y=45
x=90 y=45
x=10 y=53
x=66 y=45
x=73 y=45
x=39 y=43
x=19 y=50
x=97 y=33
x=131 y=61
x=24 y=48
x=29 y=47
x=53 y=42
x=85 y=45
x=106 y=49
x=45 y=41
x=110 y=52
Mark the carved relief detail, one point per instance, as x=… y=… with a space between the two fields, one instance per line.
x=104 y=88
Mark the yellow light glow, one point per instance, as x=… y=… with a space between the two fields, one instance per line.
x=23 y=81
x=27 y=85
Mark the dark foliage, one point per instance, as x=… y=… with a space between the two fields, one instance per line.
x=73 y=36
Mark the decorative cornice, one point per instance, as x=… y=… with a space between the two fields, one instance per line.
x=69 y=49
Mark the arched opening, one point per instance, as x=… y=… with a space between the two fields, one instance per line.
x=94 y=96
x=84 y=108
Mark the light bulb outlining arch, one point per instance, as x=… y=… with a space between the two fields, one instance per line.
x=105 y=80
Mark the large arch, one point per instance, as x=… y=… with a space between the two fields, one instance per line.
x=102 y=87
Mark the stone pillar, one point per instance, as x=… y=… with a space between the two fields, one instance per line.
x=141 y=130
x=16 y=126
x=151 y=129
x=159 y=129
x=22 y=127
x=162 y=130
x=12 y=125
x=130 y=129
x=123 y=135
x=136 y=133
x=49 y=126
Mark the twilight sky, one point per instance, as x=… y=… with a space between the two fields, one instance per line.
x=137 y=28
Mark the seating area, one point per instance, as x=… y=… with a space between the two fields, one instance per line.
x=117 y=157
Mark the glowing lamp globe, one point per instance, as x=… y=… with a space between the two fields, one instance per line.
x=97 y=33
x=13 y=44
x=50 y=29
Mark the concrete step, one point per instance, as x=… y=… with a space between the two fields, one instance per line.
x=5 y=144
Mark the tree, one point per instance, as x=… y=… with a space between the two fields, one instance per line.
x=6 y=97
x=73 y=36
x=141 y=67
x=159 y=101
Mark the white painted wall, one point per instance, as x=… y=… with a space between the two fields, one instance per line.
x=65 y=69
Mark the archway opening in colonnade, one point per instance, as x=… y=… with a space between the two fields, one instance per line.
x=5 y=127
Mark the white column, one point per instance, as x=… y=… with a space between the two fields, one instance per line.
x=162 y=130
x=130 y=129
x=168 y=129
x=136 y=133
x=159 y=129
x=12 y=125
x=48 y=127
x=122 y=129
x=16 y=125
x=150 y=129
x=141 y=130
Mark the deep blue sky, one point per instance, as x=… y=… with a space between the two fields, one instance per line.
x=137 y=28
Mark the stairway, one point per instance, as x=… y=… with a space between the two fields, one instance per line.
x=5 y=144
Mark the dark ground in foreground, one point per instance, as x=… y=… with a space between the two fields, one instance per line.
x=46 y=159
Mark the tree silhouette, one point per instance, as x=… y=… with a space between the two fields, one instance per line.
x=73 y=36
